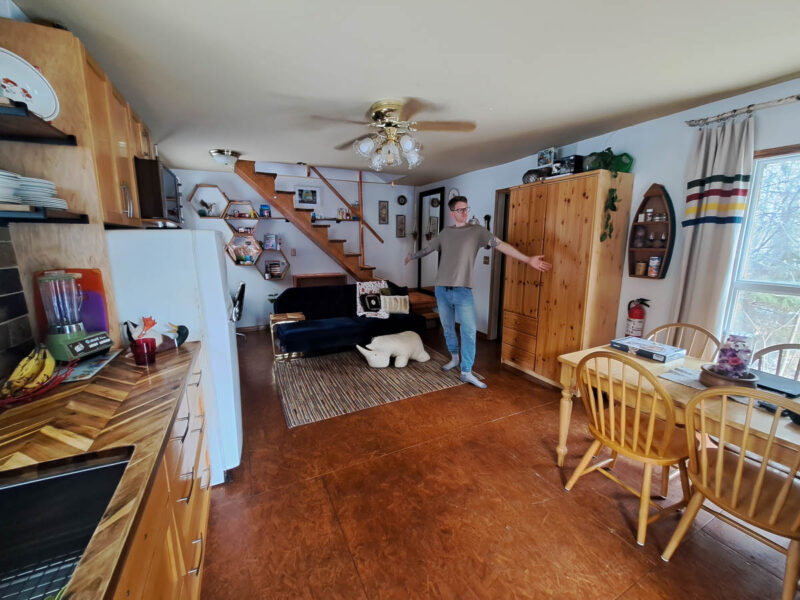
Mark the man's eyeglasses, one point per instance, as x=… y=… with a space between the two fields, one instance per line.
x=461 y=210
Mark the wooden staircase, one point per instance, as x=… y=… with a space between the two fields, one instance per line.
x=264 y=184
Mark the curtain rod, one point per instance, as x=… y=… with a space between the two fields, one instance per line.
x=742 y=111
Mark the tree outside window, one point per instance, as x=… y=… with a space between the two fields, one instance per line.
x=764 y=299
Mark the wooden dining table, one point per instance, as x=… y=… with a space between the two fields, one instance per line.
x=787 y=434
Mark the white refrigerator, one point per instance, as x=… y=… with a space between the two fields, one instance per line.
x=179 y=276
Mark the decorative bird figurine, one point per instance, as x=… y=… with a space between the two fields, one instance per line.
x=133 y=331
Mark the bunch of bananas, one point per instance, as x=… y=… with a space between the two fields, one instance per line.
x=32 y=371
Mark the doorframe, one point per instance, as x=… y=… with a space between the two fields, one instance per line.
x=497 y=276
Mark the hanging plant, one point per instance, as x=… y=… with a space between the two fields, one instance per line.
x=615 y=163
x=611 y=206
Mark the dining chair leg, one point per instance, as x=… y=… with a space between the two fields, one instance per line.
x=792 y=571
x=683 y=525
x=644 y=503
x=613 y=462
x=590 y=453
x=664 y=481
x=684 y=480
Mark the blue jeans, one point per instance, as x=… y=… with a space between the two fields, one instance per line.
x=452 y=302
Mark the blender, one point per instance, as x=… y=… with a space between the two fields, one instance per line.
x=67 y=339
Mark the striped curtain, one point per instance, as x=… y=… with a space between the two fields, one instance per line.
x=719 y=173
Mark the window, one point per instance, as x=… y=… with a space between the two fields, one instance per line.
x=764 y=298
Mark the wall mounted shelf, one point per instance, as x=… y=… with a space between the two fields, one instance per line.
x=269 y=260
x=41 y=215
x=651 y=238
x=18 y=124
x=208 y=195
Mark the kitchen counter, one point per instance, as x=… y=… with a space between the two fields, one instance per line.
x=124 y=406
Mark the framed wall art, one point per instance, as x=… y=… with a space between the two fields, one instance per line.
x=383 y=212
x=306 y=197
x=400 y=226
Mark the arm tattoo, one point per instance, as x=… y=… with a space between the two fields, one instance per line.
x=420 y=253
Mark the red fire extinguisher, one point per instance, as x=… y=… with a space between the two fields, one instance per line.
x=636 y=314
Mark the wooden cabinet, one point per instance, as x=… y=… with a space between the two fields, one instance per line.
x=574 y=306
x=167 y=549
x=96 y=177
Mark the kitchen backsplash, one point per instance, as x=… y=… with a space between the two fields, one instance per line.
x=15 y=328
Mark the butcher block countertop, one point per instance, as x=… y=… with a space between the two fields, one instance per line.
x=124 y=406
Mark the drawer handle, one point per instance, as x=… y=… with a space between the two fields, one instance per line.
x=182 y=437
x=207 y=471
x=202 y=425
x=191 y=487
x=196 y=570
x=196 y=383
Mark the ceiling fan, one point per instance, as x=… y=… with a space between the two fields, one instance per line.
x=393 y=137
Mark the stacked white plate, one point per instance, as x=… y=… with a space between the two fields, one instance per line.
x=8 y=187
x=30 y=191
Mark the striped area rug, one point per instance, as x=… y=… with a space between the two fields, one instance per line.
x=320 y=387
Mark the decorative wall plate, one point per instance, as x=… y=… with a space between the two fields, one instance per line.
x=453 y=193
x=401 y=200
x=21 y=82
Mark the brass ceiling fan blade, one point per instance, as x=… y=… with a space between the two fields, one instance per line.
x=349 y=143
x=412 y=107
x=335 y=120
x=444 y=126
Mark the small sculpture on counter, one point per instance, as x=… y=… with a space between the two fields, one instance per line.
x=134 y=331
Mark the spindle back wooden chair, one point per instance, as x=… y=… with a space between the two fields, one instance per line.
x=632 y=414
x=787 y=360
x=698 y=342
x=753 y=478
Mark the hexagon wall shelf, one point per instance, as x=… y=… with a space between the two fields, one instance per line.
x=208 y=201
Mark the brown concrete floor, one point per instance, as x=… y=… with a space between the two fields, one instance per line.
x=453 y=494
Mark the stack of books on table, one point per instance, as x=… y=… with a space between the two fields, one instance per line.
x=648 y=349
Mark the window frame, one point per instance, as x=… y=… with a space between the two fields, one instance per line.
x=737 y=283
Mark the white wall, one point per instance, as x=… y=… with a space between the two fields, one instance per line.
x=661 y=150
x=387 y=257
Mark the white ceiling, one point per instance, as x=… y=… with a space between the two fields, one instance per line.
x=248 y=75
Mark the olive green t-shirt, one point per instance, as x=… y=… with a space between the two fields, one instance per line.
x=458 y=247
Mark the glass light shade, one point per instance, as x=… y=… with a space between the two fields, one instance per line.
x=364 y=147
x=377 y=161
x=407 y=143
x=391 y=153
x=414 y=158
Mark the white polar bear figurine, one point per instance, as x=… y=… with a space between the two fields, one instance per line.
x=400 y=345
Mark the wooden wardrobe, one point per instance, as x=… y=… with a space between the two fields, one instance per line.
x=575 y=305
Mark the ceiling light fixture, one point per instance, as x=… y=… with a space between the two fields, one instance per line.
x=226 y=158
x=389 y=148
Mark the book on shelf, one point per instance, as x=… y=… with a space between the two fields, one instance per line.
x=648 y=349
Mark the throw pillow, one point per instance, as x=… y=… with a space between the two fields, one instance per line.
x=365 y=288
x=395 y=305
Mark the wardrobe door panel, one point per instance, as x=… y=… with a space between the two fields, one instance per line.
x=567 y=245
x=518 y=224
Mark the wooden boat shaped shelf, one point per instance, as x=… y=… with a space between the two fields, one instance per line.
x=652 y=236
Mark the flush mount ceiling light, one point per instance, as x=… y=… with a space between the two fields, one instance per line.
x=394 y=143
x=227 y=158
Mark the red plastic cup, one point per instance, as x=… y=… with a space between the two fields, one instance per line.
x=144 y=351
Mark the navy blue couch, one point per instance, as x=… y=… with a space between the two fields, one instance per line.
x=331 y=323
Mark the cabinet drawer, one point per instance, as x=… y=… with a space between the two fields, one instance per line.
x=178 y=434
x=521 y=358
x=519 y=322
x=520 y=340
x=146 y=541
x=193 y=525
